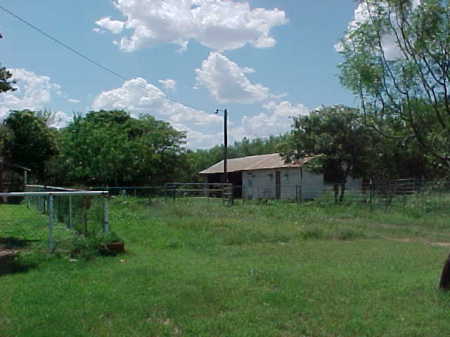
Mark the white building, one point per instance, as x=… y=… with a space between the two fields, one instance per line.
x=270 y=177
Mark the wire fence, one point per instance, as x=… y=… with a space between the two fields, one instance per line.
x=134 y=191
x=175 y=191
x=412 y=193
x=85 y=212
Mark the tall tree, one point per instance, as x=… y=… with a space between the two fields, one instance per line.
x=5 y=85
x=396 y=59
x=341 y=140
x=111 y=147
x=31 y=143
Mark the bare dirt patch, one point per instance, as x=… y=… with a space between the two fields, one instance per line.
x=415 y=240
x=440 y=244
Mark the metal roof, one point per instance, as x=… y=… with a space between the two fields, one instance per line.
x=261 y=162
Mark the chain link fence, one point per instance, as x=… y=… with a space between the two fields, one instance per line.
x=85 y=212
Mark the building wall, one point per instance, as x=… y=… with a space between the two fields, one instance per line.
x=261 y=184
x=294 y=183
x=258 y=184
x=312 y=185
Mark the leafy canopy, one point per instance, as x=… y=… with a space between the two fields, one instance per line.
x=338 y=135
x=396 y=59
x=111 y=147
x=31 y=142
x=5 y=81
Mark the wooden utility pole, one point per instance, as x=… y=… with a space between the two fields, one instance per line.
x=225 y=143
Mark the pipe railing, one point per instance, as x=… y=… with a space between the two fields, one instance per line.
x=49 y=206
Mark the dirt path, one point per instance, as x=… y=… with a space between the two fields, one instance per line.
x=415 y=240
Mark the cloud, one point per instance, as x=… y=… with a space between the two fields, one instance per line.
x=216 y=24
x=199 y=139
x=33 y=92
x=139 y=97
x=59 y=120
x=204 y=130
x=73 y=100
x=276 y=120
x=227 y=82
x=107 y=23
x=168 y=84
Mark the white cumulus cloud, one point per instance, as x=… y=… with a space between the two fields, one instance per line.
x=204 y=130
x=34 y=92
x=168 y=84
x=216 y=24
x=139 y=97
x=275 y=120
x=228 y=82
x=59 y=119
x=114 y=26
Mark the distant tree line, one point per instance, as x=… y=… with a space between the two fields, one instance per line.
x=111 y=148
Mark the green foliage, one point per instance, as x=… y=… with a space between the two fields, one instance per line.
x=85 y=247
x=339 y=136
x=397 y=63
x=94 y=244
x=351 y=144
x=5 y=80
x=31 y=142
x=113 y=148
x=395 y=152
x=5 y=136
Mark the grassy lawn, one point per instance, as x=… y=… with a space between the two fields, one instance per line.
x=197 y=268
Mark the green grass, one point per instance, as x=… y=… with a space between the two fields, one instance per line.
x=197 y=268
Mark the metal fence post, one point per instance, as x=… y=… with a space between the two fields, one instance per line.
x=300 y=193
x=105 y=214
x=51 y=222
x=70 y=212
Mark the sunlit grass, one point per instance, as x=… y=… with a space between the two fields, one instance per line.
x=198 y=268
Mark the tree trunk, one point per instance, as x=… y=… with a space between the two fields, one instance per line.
x=445 y=276
x=2 y=199
x=341 y=197
x=336 y=192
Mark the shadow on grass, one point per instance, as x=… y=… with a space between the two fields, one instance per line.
x=9 y=256
x=14 y=243
x=14 y=267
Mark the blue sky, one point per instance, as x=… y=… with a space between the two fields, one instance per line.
x=264 y=60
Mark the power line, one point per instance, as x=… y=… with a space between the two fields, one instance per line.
x=71 y=49
x=66 y=46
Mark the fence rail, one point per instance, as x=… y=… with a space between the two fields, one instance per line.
x=373 y=193
x=74 y=208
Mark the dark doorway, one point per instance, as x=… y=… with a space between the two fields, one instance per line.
x=234 y=178
x=278 y=185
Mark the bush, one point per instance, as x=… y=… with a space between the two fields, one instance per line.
x=87 y=247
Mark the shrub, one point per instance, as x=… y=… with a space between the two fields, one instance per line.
x=87 y=247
